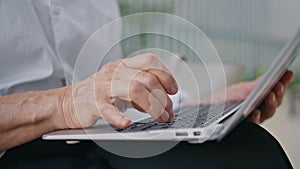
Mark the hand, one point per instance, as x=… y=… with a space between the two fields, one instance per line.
x=267 y=109
x=142 y=80
x=240 y=91
x=274 y=99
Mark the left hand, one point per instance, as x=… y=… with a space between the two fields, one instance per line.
x=240 y=91
x=269 y=105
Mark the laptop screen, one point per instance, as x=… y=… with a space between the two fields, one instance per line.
x=266 y=83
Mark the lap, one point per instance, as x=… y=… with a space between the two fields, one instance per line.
x=51 y=154
x=248 y=146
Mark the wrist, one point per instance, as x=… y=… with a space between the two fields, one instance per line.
x=65 y=108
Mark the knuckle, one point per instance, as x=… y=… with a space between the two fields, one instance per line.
x=150 y=79
x=135 y=87
x=109 y=67
x=150 y=58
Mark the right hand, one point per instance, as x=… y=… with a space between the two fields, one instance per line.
x=143 y=80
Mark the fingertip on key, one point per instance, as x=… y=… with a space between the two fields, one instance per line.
x=124 y=122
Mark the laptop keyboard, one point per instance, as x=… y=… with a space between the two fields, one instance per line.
x=186 y=117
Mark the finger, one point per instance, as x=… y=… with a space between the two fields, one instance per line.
x=142 y=99
x=287 y=78
x=279 y=90
x=255 y=116
x=271 y=100
x=150 y=81
x=166 y=79
x=157 y=108
x=112 y=115
x=154 y=86
x=150 y=63
x=268 y=107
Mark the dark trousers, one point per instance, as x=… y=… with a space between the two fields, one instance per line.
x=248 y=146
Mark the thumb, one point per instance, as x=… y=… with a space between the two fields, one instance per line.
x=111 y=114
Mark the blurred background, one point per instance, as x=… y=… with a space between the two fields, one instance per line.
x=248 y=33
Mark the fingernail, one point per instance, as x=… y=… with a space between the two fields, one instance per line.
x=174 y=88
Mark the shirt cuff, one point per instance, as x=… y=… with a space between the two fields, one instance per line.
x=2 y=153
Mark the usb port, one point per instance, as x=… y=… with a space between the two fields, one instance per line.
x=197 y=133
x=181 y=134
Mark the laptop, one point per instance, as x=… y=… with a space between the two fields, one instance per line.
x=193 y=123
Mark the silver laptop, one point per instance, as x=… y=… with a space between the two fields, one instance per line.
x=197 y=123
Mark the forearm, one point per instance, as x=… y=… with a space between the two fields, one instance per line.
x=26 y=116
